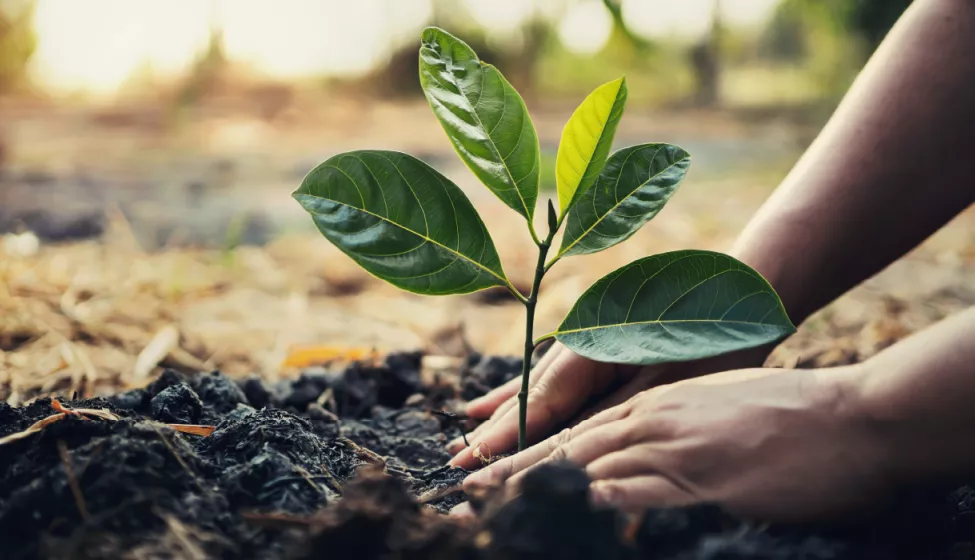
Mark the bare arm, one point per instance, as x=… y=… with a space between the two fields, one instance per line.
x=891 y=167
x=917 y=396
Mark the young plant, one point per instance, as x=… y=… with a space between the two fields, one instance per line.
x=406 y=223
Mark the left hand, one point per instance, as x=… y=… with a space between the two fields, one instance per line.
x=778 y=445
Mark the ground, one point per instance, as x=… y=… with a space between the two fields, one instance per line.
x=142 y=239
x=203 y=250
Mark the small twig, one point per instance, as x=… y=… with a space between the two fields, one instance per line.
x=336 y=483
x=455 y=417
x=437 y=493
x=179 y=459
x=366 y=455
x=79 y=498
x=195 y=429
x=310 y=479
x=449 y=415
x=427 y=475
x=33 y=429
x=56 y=405
x=182 y=536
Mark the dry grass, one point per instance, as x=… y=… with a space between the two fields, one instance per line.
x=93 y=317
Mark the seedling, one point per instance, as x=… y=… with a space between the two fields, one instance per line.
x=407 y=224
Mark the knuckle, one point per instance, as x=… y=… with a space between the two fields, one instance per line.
x=539 y=390
x=607 y=491
x=628 y=434
x=540 y=400
x=663 y=426
x=558 y=447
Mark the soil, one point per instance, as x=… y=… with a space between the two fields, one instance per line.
x=350 y=463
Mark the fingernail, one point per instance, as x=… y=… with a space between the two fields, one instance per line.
x=599 y=494
x=462 y=509
x=472 y=404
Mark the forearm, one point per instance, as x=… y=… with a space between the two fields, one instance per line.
x=891 y=167
x=916 y=397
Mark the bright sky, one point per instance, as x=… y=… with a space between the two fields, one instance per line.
x=95 y=45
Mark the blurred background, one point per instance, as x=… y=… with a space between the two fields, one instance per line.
x=148 y=150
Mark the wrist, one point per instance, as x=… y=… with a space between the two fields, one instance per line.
x=875 y=446
x=904 y=450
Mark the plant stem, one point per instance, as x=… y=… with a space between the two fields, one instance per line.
x=529 y=343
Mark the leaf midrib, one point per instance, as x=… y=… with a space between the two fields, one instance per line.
x=659 y=322
x=494 y=148
x=576 y=195
x=617 y=205
x=422 y=236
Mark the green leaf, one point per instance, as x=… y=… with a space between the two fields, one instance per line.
x=674 y=307
x=484 y=117
x=586 y=140
x=402 y=221
x=630 y=191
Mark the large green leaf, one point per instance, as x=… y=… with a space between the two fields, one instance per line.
x=402 y=221
x=674 y=307
x=586 y=140
x=630 y=191
x=484 y=117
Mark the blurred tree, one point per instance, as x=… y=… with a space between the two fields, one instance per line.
x=706 y=61
x=207 y=72
x=872 y=19
x=17 y=42
x=830 y=39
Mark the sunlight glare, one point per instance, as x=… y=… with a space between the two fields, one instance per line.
x=586 y=28
x=500 y=15
x=94 y=46
x=293 y=38
x=691 y=19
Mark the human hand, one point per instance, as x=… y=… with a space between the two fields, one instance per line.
x=769 y=444
x=560 y=385
x=560 y=388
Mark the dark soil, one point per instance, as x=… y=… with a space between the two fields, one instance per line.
x=349 y=464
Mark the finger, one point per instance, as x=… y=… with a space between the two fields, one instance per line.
x=498 y=472
x=555 y=397
x=462 y=509
x=481 y=407
x=585 y=448
x=504 y=469
x=485 y=405
x=642 y=381
x=638 y=493
x=459 y=443
x=494 y=404
x=502 y=435
x=632 y=461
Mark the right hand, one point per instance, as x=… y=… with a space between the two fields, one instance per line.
x=559 y=388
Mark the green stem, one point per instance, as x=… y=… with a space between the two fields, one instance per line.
x=514 y=291
x=552 y=262
x=529 y=343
